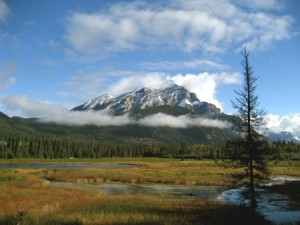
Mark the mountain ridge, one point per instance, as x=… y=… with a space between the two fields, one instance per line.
x=140 y=103
x=145 y=97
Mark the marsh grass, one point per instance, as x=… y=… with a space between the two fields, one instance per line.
x=167 y=171
x=67 y=206
x=27 y=199
x=155 y=171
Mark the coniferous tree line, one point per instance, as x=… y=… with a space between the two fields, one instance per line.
x=50 y=147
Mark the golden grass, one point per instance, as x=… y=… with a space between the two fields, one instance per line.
x=29 y=200
x=169 y=171
x=190 y=172
x=26 y=197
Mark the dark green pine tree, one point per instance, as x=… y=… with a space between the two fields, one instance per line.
x=247 y=151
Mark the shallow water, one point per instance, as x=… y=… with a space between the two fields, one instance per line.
x=274 y=206
x=174 y=191
x=64 y=166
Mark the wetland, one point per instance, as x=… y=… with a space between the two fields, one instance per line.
x=139 y=191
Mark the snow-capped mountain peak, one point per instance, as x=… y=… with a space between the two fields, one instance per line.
x=149 y=97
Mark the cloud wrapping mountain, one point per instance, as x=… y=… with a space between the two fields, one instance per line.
x=164 y=120
x=203 y=84
x=49 y=112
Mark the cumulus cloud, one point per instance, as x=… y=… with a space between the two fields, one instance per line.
x=134 y=81
x=4 y=10
x=85 y=85
x=204 y=85
x=6 y=77
x=50 y=112
x=289 y=123
x=210 y=26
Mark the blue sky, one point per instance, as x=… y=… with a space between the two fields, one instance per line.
x=67 y=52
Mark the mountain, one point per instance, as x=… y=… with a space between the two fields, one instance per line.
x=281 y=136
x=140 y=103
x=174 y=100
x=146 y=98
x=130 y=134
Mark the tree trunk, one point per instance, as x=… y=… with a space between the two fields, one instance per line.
x=251 y=188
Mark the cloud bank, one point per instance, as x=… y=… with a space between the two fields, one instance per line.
x=50 y=112
x=164 y=120
x=213 y=26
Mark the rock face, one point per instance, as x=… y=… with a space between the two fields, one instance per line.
x=147 y=98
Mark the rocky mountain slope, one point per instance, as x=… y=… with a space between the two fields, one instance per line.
x=140 y=103
x=145 y=98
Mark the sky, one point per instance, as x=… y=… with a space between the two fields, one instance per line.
x=55 y=55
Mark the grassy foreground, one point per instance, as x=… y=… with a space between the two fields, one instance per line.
x=26 y=198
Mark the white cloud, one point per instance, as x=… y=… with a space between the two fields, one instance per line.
x=184 y=121
x=135 y=81
x=289 y=123
x=86 y=85
x=50 y=112
x=205 y=84
x=192 y=64
x=4 y=10
x=210 y=26
x=6 y=77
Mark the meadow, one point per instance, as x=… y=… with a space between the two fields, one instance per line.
x=27 y=198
